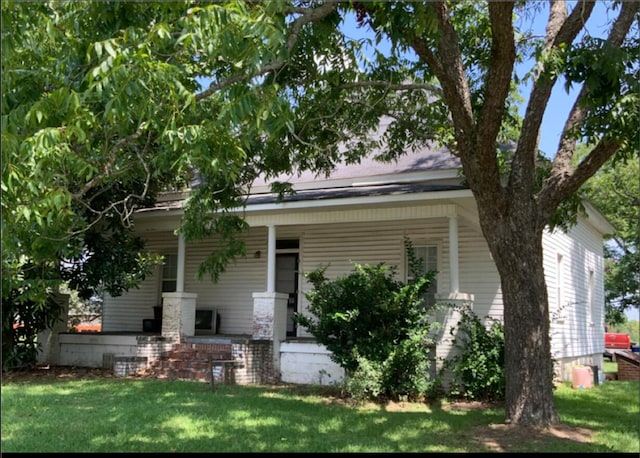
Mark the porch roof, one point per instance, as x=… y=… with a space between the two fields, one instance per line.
x=325 y=194
x=345 y=192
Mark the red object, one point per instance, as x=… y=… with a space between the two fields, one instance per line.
x=88 y=327
x=619 y=341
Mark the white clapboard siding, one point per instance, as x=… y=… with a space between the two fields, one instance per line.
x=232 y=294
x=126 y=312
x=478 y=273
x=577 y=325
x=337 y=246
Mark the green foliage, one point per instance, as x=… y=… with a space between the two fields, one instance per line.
x=99 y=115
x=376 y=329
x=614 y=191
x=22 y=320
x=478 y=370
x=611 y=77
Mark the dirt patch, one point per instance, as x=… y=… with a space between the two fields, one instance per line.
x=470 y=405
x=503 y=437
x=56 y=372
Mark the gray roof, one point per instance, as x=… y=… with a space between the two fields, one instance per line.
x=422 y=160
x=345 y=192
x=349 y=180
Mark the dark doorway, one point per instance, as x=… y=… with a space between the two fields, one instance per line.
x=287 y=282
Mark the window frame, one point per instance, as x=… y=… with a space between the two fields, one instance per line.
x=163 y=271
x=431 y=295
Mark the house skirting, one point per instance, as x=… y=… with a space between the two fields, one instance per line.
x=563 y=367
x=308 y=363
x=88 y=349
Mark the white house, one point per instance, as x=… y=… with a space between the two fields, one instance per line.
x=361 y=213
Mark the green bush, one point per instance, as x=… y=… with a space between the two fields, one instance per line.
x=478 y=370
x=376 y=329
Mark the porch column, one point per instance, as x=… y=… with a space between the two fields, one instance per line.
x=178 y=315
x=181 y=261
x=454 y=286
x=449 y=316
x=270 y=322
x=271 y=260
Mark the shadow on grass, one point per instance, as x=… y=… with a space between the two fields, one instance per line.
x=133 y=415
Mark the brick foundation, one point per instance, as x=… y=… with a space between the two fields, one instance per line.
x=163 y=358
x=124 y=366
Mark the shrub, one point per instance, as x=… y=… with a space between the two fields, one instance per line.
x=478 y=370
x=376 y=329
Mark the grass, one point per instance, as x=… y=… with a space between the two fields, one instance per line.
x=610 y=367
x=141 y=415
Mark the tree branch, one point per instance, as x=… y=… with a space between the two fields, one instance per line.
x=127 y=204
x=561 y=29
x=565 y=179
x=498 y=81
x=481 y=172
x=106 y=169
x=430 y=88
x=447 y=66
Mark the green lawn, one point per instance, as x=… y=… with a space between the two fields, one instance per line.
x=609 y=367
x=137 y=415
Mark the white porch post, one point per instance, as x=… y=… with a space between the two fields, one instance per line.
x=453 y=255
x=179 y=308
x=270 y=308
x=181 y=262
x=271 y=260
x=178 y=315
x=449 y=316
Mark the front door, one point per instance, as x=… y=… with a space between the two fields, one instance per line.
x=287 y=282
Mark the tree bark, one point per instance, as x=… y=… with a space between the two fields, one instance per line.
x=515 y=242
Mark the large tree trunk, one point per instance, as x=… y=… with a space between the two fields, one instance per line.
x=516 y=245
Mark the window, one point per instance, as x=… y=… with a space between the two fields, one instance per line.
x=429 y=256
x=169 y=273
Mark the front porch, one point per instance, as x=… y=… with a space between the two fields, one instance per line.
x=129 y=354
x=256 y=321
x=182 y=351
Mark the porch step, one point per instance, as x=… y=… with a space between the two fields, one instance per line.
x=188 y=361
